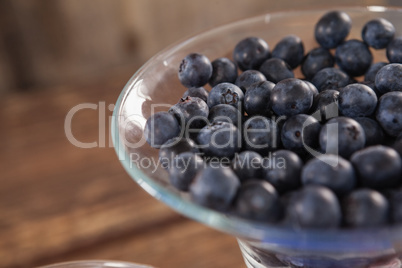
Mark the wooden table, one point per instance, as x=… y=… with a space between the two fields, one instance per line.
x=61 y=203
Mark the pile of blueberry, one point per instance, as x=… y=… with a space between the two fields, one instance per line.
x=322 y=151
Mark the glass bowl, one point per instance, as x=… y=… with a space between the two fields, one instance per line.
x=96 y=264
x=155 y=87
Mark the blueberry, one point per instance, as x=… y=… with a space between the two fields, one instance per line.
x=377 y=33
x=300 y=133
x=249 y=77
x=372 y=130
x=313 y=89
x=357 y=100
x=220 y=139
x=316 y=60
x=343 y=136
x=160 y=127
x=291 y=96
x=260 y=135
x=389 y=78
x=389 y=113
x=247 y=165
x=258 y=200
x=395 y=200
x=398 y=145
x=371 y=84
x=183 y=170
x=282 y=169
x=332 y=29
x=223 y=70
x=257 y=100
x=191 y=112
x=195 y=70
x=215 y=188
x=290 y=49
x=378 y=166
x=394 y=50
x=373 y=70
x=199 y=92
x=225 y=113
x=173 y=147
x=313 y=206
x=331 y=171
x=365 y=208
x=325 y=105
x=354 y=57
x=330 y=78
x=275 y=70
x=225 y=93
x=250 y=53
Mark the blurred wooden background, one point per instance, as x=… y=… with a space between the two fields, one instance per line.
x=48 y=42
x=59 y=202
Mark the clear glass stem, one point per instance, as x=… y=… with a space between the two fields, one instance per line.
x=257 y=256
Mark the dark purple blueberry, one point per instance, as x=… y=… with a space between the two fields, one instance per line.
x=257 y=100
x=365 y=208
x=183 y=170
x=389 y=78
x=160 y=127
x=225 y=93
x=313 y=207
x=373 y=70
x=371 y=84
x=389 y=113
x=316 y=60
x=331 y=171
x=199 y=92
x=220 y=139
x=394 y=50
x=395 y=201
x=378 y=32
x=357 y=100
x=195 y=70
x=330 y=78
x=313 y=89
x=275 y=70
x=250 y=53
x=398 y=145
x=291 y=96
x=282 y=169
x=354 y=57
x=190 y=112
x=225 y=113
x=378 y=166
x=249 y=77
x=247 y=165
x=260 y=134
x=223 y=70
x=342 y=136
x=258 y=200
x=300 y=133
x=325 y=105
x=215 y=188
x=290 y=49
x=332 y=29
x=372 y=130
x=173 y=147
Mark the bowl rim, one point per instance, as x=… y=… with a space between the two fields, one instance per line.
x=372 y=238
x=90 y=263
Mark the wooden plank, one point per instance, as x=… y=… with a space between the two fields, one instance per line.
x=55 y=196
x=174 y=244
